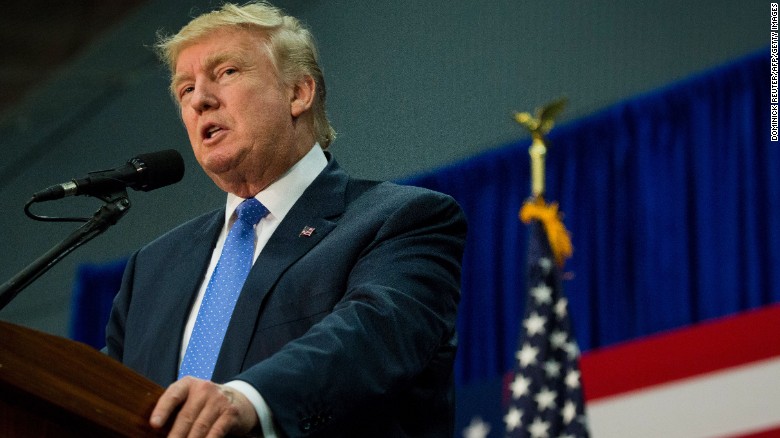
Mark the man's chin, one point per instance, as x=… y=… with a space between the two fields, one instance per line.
x=217 y=166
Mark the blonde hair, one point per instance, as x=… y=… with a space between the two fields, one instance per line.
x=291 y=46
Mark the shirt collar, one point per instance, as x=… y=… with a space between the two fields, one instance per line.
x=282 y=194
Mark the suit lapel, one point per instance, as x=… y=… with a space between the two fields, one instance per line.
x=318 y=208
x=185 y=274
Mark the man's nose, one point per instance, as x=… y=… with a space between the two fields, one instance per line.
x=204 y=98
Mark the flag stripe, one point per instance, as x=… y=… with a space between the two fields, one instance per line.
x=728 y=342
x=768 y=433
x=732 y=402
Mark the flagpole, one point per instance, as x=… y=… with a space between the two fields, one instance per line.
x=536 y=208
x=538 y=127
x=538 y=152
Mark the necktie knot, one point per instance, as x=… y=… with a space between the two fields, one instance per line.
x=251 y=211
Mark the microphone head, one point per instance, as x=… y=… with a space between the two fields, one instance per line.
x=157 y=169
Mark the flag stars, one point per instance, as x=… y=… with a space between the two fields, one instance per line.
x=476 y=429
x=539 y=429
x=527 y=355
x=569 y=412
x=572 y=350
x=513 y=418
x=546 y=264
x=546 y=390
x=558 y=339
x=534 y=324
x=573 y=379
x=552 y=368
x=542 y=294
x=520 y=386
x=561 y=307
x=545 y=399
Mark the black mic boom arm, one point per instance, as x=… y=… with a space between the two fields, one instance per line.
x=106 y=216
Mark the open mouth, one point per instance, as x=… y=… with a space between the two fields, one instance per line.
x=211 y=132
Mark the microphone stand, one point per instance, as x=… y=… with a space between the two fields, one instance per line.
x=116 y=206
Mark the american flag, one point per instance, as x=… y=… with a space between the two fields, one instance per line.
x=546 y=398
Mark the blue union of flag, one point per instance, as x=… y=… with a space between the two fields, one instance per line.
x=546 y=397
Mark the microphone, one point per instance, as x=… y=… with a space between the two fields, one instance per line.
x=145 y=172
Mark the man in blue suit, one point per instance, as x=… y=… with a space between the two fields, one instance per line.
x=344 y=324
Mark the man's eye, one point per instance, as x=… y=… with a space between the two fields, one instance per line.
x=186 y=90
x=230 y=71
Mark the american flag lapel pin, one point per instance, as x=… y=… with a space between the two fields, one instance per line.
x=307 y=231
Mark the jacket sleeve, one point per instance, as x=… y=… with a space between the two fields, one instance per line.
x=115 y=330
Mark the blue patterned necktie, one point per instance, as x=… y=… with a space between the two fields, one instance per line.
x=222 y=293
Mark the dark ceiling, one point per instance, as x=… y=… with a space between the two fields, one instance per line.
x=37 y=36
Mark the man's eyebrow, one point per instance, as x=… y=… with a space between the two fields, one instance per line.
x=222 y=57
x=178 y=79
x=210 y=62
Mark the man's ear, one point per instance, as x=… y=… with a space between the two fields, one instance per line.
x=302 y=96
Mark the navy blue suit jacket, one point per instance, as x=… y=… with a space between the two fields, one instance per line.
x=347 y=332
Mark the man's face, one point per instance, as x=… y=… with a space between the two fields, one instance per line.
x=239 y=116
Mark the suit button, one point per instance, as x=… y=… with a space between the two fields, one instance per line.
x=305 y=425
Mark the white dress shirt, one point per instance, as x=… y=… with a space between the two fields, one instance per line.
x=278 y=198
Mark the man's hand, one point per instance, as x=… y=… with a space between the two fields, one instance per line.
x=206 y=410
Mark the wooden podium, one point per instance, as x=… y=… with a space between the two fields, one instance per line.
x=55 y=387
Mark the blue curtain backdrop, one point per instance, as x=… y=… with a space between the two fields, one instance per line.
x=673 y=202
x=93 y=294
